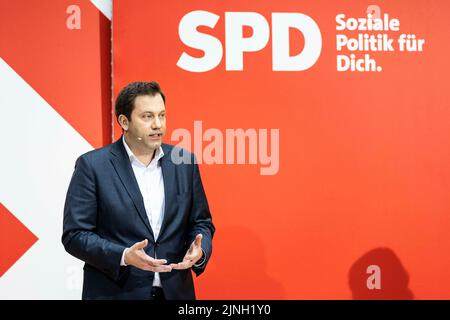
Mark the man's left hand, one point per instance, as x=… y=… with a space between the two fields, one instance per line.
x=194 y=254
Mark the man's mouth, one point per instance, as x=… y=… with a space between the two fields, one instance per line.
x=155 y=135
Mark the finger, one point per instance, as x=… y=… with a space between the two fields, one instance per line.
x=198 y=240
x=182 y=265
x=141 y=245
x=177 y=266
x=156 y=269
x=154 y=262
x=162 y=269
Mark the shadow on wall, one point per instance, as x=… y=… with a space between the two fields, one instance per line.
x=379 y=275
x=239 y=265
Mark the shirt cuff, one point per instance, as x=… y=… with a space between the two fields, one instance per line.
x=202 y=260
x=122 y=261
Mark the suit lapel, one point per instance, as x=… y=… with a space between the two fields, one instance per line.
x=168 y=172
x=122 y=165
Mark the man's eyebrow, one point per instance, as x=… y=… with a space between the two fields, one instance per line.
x=151 y=112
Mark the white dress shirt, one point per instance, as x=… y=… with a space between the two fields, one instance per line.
x=151 y=185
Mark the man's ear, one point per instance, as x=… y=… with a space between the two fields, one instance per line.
x=123 y=121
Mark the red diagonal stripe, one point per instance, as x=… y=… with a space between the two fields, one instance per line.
x=70 y=69
x=15 y=239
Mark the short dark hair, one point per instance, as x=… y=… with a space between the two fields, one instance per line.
x=126 y=97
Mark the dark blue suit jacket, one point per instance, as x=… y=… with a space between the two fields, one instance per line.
x=104 y=214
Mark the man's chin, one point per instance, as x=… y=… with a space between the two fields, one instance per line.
x=154 y=144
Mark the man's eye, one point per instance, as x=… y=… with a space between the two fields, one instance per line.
x=162 y=115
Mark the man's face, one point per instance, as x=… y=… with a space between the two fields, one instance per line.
x=148 y=121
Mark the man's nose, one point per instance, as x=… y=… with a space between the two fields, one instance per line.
x=157 y=123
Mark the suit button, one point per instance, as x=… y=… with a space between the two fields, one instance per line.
x=156 y=244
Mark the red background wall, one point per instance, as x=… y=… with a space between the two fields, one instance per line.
x=364 y=157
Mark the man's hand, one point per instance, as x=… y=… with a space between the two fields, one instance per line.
x=137 y=257
x=194 y=254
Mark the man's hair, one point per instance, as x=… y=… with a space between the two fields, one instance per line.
x=125 y=99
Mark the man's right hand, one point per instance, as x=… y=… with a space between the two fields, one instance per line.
x=136 y=256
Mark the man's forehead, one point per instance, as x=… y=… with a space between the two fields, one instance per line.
x=151 y=103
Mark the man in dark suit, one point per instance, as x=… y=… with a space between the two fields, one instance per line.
x=139 y=219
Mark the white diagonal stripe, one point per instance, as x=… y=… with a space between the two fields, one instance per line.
x=105 y=6
x=39 y=149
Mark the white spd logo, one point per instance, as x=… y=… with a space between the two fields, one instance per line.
x=236 y=44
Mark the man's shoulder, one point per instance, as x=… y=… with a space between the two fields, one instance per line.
x=170 y=148
x=178 y=155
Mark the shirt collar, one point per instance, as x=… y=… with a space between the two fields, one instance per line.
x=159 y=153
